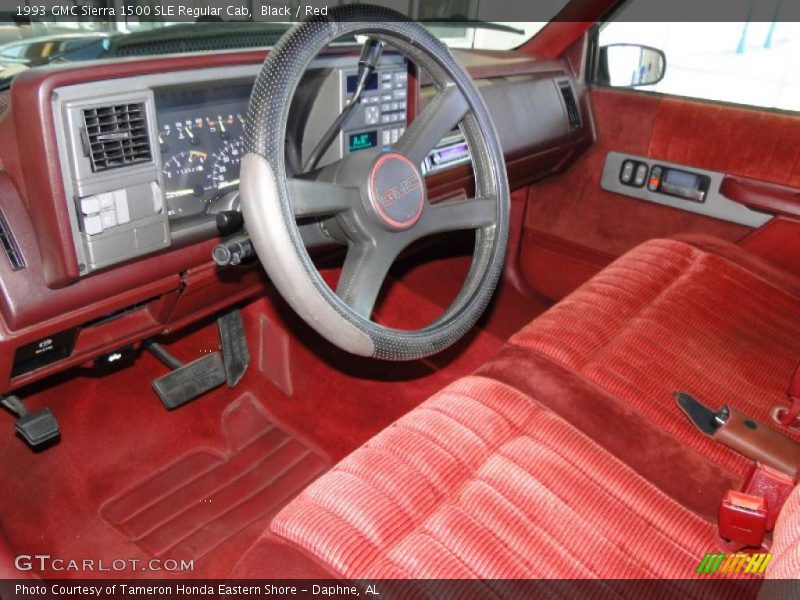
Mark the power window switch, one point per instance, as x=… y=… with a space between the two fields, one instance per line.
x=641 y=175
x=626 y=175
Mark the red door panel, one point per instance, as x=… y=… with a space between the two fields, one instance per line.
x=573 y=227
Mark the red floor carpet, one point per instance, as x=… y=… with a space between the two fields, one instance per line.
x=132 y=480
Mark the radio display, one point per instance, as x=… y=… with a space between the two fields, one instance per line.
x=362 y=140
x=352 y=80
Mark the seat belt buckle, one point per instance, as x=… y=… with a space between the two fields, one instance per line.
x=743 y=518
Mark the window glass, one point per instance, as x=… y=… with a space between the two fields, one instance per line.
x=745 y=63
x=10 y=51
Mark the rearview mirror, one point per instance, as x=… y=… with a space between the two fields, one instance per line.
x=630 y=65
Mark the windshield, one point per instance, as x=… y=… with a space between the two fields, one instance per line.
x=32 y=35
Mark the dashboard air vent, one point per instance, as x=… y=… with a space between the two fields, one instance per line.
x=10 y=245
x=116 y=136
x=571 y=105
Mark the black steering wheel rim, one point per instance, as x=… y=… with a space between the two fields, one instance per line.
x=270 y=212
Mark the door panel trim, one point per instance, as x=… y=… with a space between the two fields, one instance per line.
x=715 y=205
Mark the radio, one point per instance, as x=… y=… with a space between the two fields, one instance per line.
x=450 y=152
x=380 y=119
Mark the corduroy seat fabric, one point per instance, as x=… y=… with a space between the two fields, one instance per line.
x=786 y=541
x=669 y=317
x=498 y=477
x=482 y=481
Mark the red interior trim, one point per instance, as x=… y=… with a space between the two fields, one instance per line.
x=569 y=25
x=762 y=195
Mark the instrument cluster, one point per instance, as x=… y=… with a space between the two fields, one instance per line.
x=201 y=141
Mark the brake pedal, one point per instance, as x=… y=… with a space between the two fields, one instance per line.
x=36 y=428
x=190 y=381
x=235 y=353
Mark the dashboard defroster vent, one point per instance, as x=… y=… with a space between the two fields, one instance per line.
x=573 y=114
x=10 y=245
x=116 y=136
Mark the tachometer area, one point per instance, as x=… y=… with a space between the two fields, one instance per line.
x=224 y=173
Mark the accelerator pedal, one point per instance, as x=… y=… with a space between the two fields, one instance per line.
x=38 y=428
x=235 y=353
x=191 y=380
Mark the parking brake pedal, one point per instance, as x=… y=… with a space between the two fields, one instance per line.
x=191 y=380
x=188 y=381
x=36 y=428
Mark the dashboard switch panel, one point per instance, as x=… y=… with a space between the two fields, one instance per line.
x=116 y=212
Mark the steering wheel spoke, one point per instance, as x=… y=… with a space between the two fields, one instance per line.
x=457 y=215
x=312 y=198
x=446 y=110
x=365 y=268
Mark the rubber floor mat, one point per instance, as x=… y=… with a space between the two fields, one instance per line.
x=187 y=509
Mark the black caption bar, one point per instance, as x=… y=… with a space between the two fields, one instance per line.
x=171 y=589
x=507 y=11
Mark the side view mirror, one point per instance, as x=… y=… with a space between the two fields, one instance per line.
x=630 y=65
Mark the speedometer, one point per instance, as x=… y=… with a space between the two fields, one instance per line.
x=225 y=169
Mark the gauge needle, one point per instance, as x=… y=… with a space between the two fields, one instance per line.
x=221 y=126
x=188 y=133
x=179 y=193
x=227 y=184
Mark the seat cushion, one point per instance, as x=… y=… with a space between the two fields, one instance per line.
x=668 y=316
x=483 y=481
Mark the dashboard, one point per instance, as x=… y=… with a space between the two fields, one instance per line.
x=107 y=166
x=201 y=130
x=145 y=159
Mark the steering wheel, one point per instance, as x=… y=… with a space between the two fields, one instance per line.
x=377 y=200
